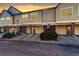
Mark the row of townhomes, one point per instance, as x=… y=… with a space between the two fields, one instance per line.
x=63 y=18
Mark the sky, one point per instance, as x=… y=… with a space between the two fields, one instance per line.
x=25 y=7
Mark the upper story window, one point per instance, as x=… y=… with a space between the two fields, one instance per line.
x=25 y=16
x=66 y=12
x=63 y=12
x=34 y=15
x=7 y=18
x=77 y=10
x=69 y=11
x=2 y=19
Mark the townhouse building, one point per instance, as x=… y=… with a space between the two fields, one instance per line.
x=7 y=19
x=63 y=18
x=67 y=18
x=35 y=21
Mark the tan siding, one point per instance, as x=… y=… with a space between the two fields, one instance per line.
x=21 y=19
x=49 y=15
x=35 y=16
x=17 y=17
x=25 y=18
x=72 y=18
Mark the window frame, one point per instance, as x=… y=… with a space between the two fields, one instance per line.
x=33 y=15
x=2 y=19
x=24 y=16
x=78 y=10
x=7 y=18
x=66 y=11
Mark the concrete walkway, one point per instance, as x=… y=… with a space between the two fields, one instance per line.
x=61 y=39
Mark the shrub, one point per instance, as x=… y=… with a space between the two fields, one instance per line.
x=8 y=35
x=49 y=35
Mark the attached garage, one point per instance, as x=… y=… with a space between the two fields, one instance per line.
x=61 y=29
x=77 y=30
x=39 y=29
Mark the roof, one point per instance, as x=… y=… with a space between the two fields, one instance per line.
x=13 y=10
x=5 y=13
x=55 y=6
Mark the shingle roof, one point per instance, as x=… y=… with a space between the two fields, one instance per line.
x=53 y=7
x=5 y=13
x=13 y=10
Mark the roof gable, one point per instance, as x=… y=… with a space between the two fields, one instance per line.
x=5 y=13
x=13 y=10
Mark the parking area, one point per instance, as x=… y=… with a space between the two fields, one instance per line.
x=31 y=45
x=66 y=39
x=31 y=48
x=69 y=39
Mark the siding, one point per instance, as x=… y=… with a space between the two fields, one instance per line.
x=17 y=19
x=4 y=15
x=49 y=15
x=20 y=20
x=72 y=18
x=37 y=17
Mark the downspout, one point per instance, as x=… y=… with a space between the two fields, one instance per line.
x=42 y=20
x=42 y=16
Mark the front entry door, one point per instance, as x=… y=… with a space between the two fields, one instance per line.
x=52 y=27
x=33 y=29
x=44 y=27
x=23 y=29
x=70 y=29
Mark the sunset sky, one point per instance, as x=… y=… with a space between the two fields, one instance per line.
x=24 y=7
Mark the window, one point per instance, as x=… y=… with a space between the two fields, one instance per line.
x=25 y=16
x=63 y=12
x=69 y=12
x=66 y=12
x=78 y=10
x=2 y=19
x=34 y=15
x=7 y=18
